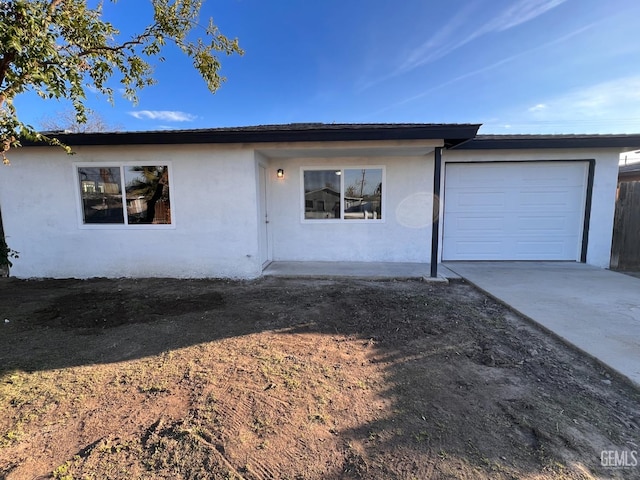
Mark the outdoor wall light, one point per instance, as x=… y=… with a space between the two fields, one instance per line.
x=280 y=173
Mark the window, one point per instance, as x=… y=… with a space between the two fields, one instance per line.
x=363 y=193
x=343 y=194
x=145 y=201
x=322 y=194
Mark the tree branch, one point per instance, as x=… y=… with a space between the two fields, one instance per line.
x=54 y=4
x=7 y=59
x=137 y=41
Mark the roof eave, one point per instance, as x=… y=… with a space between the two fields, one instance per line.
x=452 y=134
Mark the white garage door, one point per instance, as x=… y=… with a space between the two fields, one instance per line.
x=514 y=210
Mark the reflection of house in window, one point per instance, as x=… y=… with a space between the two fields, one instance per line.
x=88 y=187
x=101 y=196
x=109 y=188
x=97 y=186
x=136 y=205
x=350 y=202
x=316 y=201
x=364 y=207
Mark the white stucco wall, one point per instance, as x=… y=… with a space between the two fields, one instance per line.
x=404 y=234
x=217 y=218
x=604 y=188
x=213 y=189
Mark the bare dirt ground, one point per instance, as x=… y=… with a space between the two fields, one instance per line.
x=295 y=379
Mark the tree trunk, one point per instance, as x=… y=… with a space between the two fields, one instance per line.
x=4 y=262
x=151 y=203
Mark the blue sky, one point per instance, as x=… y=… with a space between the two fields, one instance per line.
x=515 y=66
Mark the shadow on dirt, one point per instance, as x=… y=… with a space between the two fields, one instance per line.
x=469 y=389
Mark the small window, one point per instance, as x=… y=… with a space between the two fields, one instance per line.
x=343 y=194
x=145 y=200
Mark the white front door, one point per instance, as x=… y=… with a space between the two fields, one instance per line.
x=514 y=210
x=263 y=216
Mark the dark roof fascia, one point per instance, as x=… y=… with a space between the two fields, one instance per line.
x=504 y=142
x=452 y=134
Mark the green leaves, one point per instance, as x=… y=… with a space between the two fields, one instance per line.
x=60 y=48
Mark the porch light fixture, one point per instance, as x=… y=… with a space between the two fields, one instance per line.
x=280 y=173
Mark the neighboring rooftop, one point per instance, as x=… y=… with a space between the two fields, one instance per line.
x=631 y=170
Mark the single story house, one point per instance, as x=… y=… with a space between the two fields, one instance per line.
x=225 y=202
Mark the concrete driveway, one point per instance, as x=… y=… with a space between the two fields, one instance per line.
x=596 y=310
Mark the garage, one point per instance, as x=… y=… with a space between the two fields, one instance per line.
x=514 y=210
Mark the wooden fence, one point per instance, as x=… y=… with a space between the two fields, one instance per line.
x=625 y=251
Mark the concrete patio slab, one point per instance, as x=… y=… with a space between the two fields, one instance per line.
x=595 y=310
x=368 y=270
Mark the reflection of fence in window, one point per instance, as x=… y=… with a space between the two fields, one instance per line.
x=163 y=212
x=147 y=190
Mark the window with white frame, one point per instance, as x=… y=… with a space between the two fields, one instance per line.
x=124 y=194
x=343 y=194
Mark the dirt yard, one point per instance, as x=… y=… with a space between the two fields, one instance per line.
x=296 y=379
